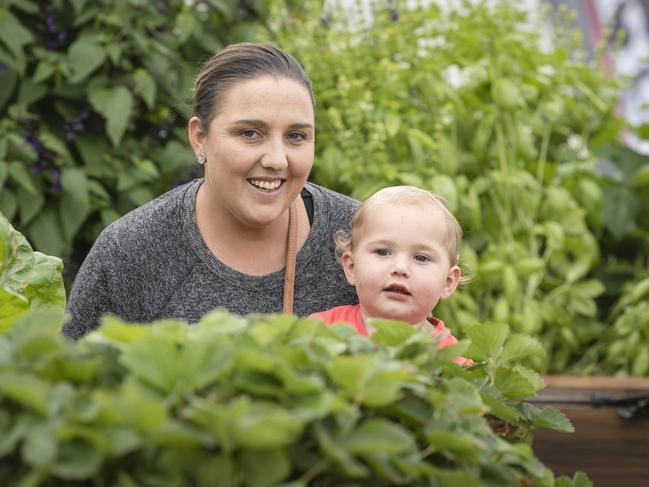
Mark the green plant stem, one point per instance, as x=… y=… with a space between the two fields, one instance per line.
x=314 y=471
x=429 y=450
x=502 y=150
x=545 y=143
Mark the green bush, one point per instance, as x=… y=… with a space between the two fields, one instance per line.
x=472 y=104
x=93 y=104
x=264 y=401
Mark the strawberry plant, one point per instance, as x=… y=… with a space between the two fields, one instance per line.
x=264 y=400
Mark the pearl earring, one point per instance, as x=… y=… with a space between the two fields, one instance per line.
x=201 y=158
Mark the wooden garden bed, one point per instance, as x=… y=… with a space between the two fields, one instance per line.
x=611 y=420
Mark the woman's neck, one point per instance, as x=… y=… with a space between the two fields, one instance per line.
x=255 y=251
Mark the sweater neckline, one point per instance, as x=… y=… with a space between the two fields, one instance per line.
x=236 y=278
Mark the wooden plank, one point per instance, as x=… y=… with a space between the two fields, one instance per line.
x=613 y=451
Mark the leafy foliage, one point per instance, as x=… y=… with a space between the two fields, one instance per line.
x=263 y=401
x=28 y=280
x=93 y=97
x=471 y=103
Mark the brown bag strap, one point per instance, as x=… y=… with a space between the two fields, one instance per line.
x=291 y=251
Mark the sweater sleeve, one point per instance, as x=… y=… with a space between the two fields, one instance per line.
x=89 y=297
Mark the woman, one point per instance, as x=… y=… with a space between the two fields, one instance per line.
x=223 y=240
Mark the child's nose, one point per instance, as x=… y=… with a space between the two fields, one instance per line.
x=400 y=267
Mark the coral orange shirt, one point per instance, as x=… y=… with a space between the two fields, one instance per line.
x=352 y=315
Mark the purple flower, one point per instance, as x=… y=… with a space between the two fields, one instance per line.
x=56 y=180
x=3 y=68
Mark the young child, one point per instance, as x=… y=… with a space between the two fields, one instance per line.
x=402 y=258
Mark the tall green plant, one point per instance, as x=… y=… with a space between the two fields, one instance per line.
x=471 y=103
x=29 y=281
x=93 y=106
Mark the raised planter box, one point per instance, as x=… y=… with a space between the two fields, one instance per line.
x=611 y=420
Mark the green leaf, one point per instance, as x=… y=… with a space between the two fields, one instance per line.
x=154 y=361
x=145 y=86
x=56 y=145
x=457 y=442
x=25 y=389
x=20 y=175
x=75 y=202
x=379 y=435
x=186 y=24
x=520 y=346
x=366 y=378
x=84 y=57
x=45 y=289
x=4 y=172
x=29 y=204
x=12 y=33
x=513 y=385
x=8 y=81
x=486 y=340
x=11 y=308
x=620 y=209
x=580 y=479
x=45 y=232
x=31 y=92
x=115 y=105
x=43 y=71
x=40 y=445
x=391 y=333
x=552 y=418
x=640 y=178
x=77 y=460
x=264 y=467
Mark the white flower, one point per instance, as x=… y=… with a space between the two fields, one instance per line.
x=546 y=70
x=455 y=76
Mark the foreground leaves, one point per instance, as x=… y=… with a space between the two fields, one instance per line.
x=254 y=401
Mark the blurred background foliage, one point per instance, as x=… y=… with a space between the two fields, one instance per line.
x=516 y=130
x=93 y=96
x=520 y=135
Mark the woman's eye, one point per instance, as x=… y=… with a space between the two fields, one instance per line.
x=422 y=258
x=296 y=136
x=249 y=134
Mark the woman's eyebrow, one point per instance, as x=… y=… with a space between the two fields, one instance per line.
x=263 y=124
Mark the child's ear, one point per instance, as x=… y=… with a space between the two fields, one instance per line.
x=348 y=266
x=452 y=281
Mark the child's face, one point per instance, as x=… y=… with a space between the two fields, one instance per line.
x=400 y=265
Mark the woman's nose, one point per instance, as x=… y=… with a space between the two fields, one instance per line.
x=274 y=156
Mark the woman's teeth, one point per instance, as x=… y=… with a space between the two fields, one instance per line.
x=267 y=185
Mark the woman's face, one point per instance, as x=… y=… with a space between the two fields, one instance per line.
x=259 y=148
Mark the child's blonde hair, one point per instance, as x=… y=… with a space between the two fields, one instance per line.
x=409 y=195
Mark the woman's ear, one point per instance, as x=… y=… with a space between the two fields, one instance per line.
x=196 y=135
x=452 y=281
x=348 y=266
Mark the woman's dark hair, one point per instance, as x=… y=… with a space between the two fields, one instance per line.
x=241 y=62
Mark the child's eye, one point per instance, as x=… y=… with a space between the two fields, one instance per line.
x=422 y=258
x=382 y=252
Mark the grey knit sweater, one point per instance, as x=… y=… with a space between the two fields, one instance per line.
x=153 y=263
